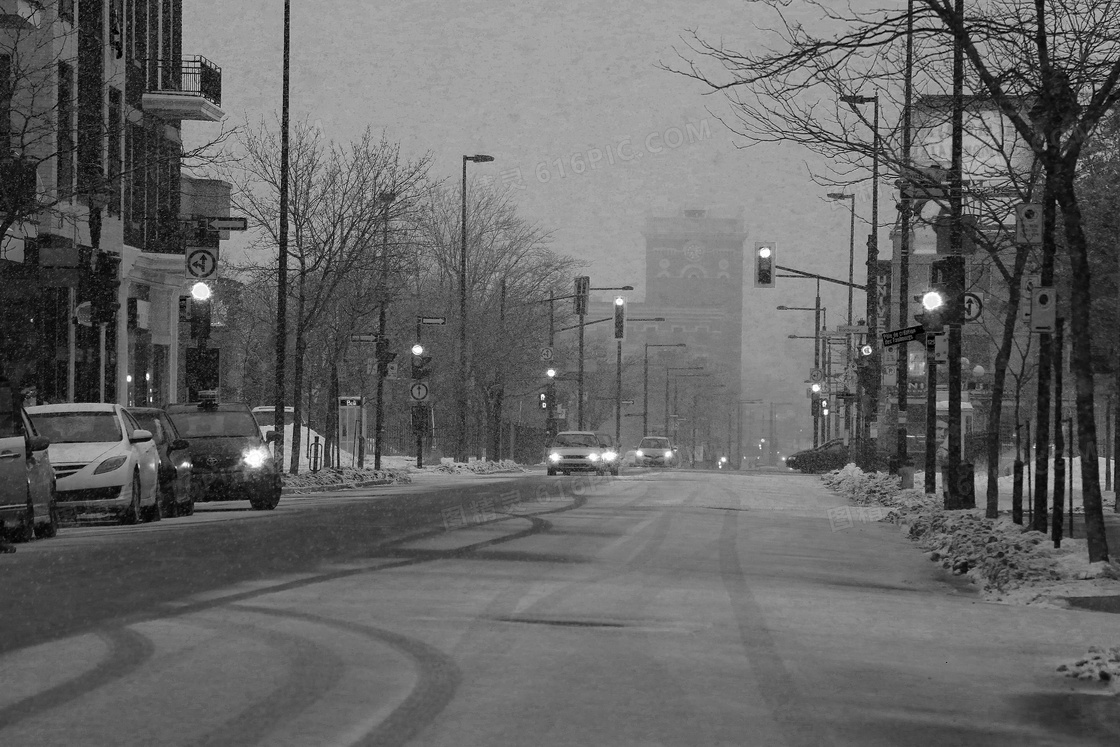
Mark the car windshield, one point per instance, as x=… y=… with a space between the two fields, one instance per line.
x=78 y=427
x=215 y=424
x=653 y=443
x=575 y=439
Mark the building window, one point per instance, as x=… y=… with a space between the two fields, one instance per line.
x=64 y=185
x=134 y=184
x=116 y=113
x=5 y=102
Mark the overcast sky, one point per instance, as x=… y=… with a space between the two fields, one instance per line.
x=534 y=83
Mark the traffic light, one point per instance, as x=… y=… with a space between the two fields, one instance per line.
x=948 y=282
x=764 y=263
x=583 y=290
x=421 y=367
x=544 y=400
x=200 y=311
x=620 y=318
x=105 y=293
x=932 y=315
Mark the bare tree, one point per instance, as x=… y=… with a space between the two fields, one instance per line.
x=510 y=271
x=1050 y=69
x=336 y=216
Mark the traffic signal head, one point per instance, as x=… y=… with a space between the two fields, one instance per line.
x=544 y=401
x=105 y=290
x=866 y=350
x=583 y=290
x=200 y=291
x=421 y=367
x=620 y=318
x=550 y=373
x=417 y=349
x=200 y=318
x=764 y=264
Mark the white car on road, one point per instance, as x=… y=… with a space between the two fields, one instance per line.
x=105 y=464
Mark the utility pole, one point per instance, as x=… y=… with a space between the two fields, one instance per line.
x=954 y=499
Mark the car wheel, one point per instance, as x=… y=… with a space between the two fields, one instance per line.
x=25 y=532
x=551 y=472
x=170 y=505
x=133 y=514
x=49 y=529
x=265 y=502
x=154 y=512
x=187 y=509
x=615 y=471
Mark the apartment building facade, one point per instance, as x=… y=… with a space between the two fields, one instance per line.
x=96 y=93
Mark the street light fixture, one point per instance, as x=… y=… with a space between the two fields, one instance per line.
x=873 y=248
x=645 y=380
x=462 y=445
x=851 y=245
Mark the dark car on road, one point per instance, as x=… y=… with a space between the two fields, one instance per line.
x=824 y=458
x=174 y=460
x=229 y=459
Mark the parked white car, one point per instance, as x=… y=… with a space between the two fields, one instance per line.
x=105 y=464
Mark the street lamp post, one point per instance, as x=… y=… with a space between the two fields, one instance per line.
x=873 y=256
x=282 y=253
x=668 y=374
x=461 y=449
x=579 y=374
x=818 y=311
x=645 y=380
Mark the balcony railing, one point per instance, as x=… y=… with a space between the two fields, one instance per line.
x=170 y=86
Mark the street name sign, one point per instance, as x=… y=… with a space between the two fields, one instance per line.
x=852 y=329
x=627 y=401
x=227 y=224
x=433 y=320
x=363 y=338
x=899 y=336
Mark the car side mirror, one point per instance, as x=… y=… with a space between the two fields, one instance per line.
x=38 y=443
x=140 y=436
x=180 y=444
x=272 y=437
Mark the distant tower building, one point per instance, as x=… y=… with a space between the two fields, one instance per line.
x=694 y=279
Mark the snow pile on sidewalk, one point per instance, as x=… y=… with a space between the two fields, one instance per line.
x=1101 y=664
x=480 y=467
x=1011 y=565
x=343 y=477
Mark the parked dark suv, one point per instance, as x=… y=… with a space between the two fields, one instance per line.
x=230 y=460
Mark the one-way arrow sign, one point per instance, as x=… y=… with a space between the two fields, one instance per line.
x=227 y=224
x=898 y=336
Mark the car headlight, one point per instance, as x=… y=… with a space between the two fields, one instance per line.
x=593 y=457
x=638 y=453
x=668 y=454
x=255 y=457
x=110 y=464
x=554 y=456
x=609 y=456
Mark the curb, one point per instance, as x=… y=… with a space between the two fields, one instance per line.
x=306 y=490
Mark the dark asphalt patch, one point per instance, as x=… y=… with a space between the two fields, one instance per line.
x=1096 y=604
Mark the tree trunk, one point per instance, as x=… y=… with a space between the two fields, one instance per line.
x=1039 y=521
x=1081 y=361
x=1003 y=355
